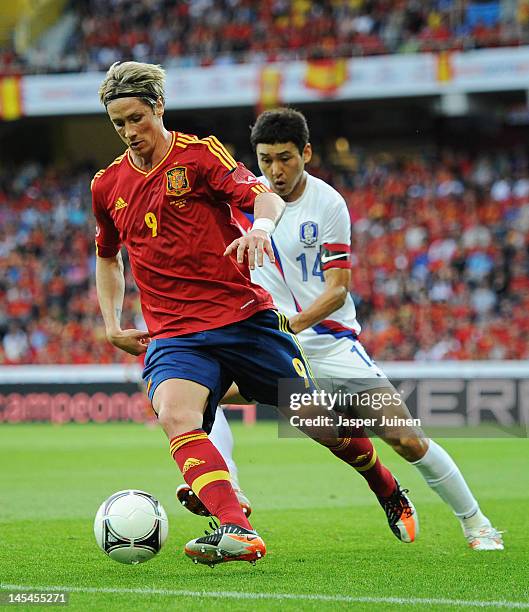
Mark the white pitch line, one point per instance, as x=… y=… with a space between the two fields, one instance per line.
x=404 y=601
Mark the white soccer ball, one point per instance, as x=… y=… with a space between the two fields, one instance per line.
x=131 y=526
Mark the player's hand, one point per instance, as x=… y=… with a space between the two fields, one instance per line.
x=133 y=341
x=257 y=242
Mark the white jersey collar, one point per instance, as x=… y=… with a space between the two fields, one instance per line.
x=295 y=203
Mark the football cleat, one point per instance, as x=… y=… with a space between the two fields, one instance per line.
x=185 y=495
x=227 y=543
x=401 y=514
x=484 y=538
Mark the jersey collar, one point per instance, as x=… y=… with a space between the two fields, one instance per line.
x=134 y=167
x=295 y=203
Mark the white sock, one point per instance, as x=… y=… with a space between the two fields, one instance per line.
x=443 y=476
x=222 y=438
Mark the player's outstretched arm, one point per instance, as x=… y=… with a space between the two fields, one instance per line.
x=110 y=284
x=268 y=210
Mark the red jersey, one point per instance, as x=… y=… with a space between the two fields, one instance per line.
x=176 y=223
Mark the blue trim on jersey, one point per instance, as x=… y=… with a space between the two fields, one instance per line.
x=278 y=259
x=364 y=358
x=279 y=265
x=320 y=328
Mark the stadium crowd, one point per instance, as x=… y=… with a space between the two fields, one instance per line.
x=204 y=32
x=440 y=271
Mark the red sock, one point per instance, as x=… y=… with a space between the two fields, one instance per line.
x=205 y=471
x=360 y=454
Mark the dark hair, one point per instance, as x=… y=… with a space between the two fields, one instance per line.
x=280 y=125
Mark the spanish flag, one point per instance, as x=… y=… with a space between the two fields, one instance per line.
x=326 y=75
x=445 y=69
x=270 y=82
x=10 y=98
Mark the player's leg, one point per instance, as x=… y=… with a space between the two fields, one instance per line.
x=401 y=515
x=351 y=447
x=184 y=409
x=278 y=354
x=357 y=450
x=435 y=465
x=180 y=405
x=443 y=476
x=347 y=444
x=222 y=438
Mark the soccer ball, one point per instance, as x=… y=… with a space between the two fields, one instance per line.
x=131 y=526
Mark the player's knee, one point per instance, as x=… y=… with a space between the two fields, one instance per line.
x=411 y=448
x=176 y=421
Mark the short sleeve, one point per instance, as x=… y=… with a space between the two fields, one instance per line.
x=336 y=238
x=107 y=238
x=230 y=180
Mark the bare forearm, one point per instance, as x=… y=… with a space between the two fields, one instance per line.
x=110 y=284
x=269 y=206
x=328 y=302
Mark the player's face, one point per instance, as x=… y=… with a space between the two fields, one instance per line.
x=138 y=125
x=283 y=166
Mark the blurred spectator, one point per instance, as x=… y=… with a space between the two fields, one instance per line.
x=15 y=344
x=440 y=250
x=441 y=263
x=203 y=32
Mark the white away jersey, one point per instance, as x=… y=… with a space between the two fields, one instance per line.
x=319 y=217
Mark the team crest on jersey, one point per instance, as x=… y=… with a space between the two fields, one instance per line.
x=177 y=181
x=308 y=232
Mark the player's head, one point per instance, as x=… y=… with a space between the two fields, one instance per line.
x=133 y=95
x=280 y=138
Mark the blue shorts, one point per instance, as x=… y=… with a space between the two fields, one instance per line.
x=253 y=353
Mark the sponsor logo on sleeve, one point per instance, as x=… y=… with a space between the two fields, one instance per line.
x=326 y=258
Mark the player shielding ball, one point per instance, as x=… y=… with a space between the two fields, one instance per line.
x=309 y=282
x=169 y=199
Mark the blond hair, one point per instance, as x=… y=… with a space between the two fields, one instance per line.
x=135 y=78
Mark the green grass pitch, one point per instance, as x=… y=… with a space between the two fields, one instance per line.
x=329 y=546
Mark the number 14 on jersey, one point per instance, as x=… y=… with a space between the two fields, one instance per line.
x=316 y=268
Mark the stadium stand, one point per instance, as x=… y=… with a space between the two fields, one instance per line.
x=441 y=264
x=204 y=32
